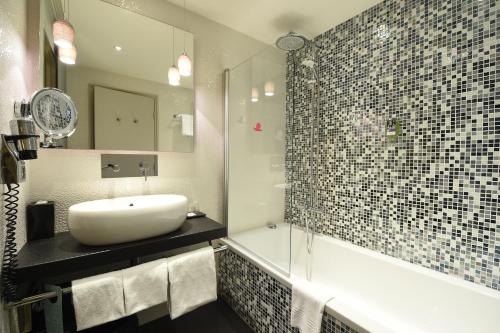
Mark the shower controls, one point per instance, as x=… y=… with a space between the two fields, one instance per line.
x=393 y=129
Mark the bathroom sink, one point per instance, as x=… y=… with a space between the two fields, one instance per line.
x=125 y=219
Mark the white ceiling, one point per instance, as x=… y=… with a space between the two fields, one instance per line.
x=265 y=20
x=147 y=43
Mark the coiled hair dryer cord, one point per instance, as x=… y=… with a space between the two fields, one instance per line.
x=9 y=261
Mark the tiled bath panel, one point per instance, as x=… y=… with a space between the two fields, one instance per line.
x=261 y=300
x=430 y=197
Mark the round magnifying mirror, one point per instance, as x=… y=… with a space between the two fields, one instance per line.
x=54 y=113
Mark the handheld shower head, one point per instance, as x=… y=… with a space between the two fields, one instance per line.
x=311 y=68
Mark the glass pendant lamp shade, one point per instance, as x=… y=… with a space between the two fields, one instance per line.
x=174 y=77
x=184 y=64
x=255 y=95
x=64 y=34
x=67 y=55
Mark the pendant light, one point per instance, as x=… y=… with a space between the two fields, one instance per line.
x=64 y=37
x=184 y=62
x=64 y=34
x=62 y=30
x=67 y=55
x=174 y=77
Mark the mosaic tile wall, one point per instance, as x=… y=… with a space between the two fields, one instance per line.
x=432 y=196
x=259 y=299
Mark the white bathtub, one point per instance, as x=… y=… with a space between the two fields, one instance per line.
x=373 y=292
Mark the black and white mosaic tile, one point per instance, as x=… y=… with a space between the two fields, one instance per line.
x=261 y=300
x=431 y=197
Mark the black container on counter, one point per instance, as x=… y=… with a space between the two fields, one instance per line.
x=40 y=220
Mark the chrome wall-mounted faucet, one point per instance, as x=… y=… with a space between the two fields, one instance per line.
x=114 y=167
x=129 y=165
x=143 y=169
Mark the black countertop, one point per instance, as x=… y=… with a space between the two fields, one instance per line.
x=62 y=254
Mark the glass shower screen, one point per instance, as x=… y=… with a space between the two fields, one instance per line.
x=255 y=161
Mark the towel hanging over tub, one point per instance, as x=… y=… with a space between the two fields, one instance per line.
x=192 y=281
x=187 y=124
x=308 y=304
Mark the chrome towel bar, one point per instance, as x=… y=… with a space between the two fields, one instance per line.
x=67 y=290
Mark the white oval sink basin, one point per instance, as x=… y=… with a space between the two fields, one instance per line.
x=125 y=219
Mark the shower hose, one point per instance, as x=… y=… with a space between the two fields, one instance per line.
x=9 y=261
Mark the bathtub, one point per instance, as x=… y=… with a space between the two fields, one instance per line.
x=372 y=292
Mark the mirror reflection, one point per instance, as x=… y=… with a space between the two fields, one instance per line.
x=130 y=76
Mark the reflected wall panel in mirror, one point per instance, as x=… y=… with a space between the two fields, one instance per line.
x=120 y=79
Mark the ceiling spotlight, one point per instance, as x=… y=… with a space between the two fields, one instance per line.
x=118 y=48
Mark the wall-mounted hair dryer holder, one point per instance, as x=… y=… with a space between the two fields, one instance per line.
x=15 y=149
x=54 y=113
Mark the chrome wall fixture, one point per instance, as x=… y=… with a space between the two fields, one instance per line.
x=129 y=165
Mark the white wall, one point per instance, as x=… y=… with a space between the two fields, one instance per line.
x=71 y=176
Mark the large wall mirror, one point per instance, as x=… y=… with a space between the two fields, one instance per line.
x=120 y=79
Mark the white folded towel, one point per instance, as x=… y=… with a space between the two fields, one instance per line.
x=145 y=286
x=187 y=124
x=192 y=280
x=98 y=299
x=308 y=304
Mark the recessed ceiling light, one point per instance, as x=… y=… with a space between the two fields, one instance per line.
x=118 y=48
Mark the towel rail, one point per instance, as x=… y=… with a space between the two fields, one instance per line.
x=67 y=290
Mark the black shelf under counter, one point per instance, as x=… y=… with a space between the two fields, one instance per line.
x=62 y=255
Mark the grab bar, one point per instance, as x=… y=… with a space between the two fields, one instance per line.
x=67 y=290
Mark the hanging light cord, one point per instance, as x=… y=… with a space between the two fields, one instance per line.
x=64 y=10
x=185 y=21
x=173 y=46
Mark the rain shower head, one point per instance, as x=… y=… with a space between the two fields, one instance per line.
x=291 y=42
